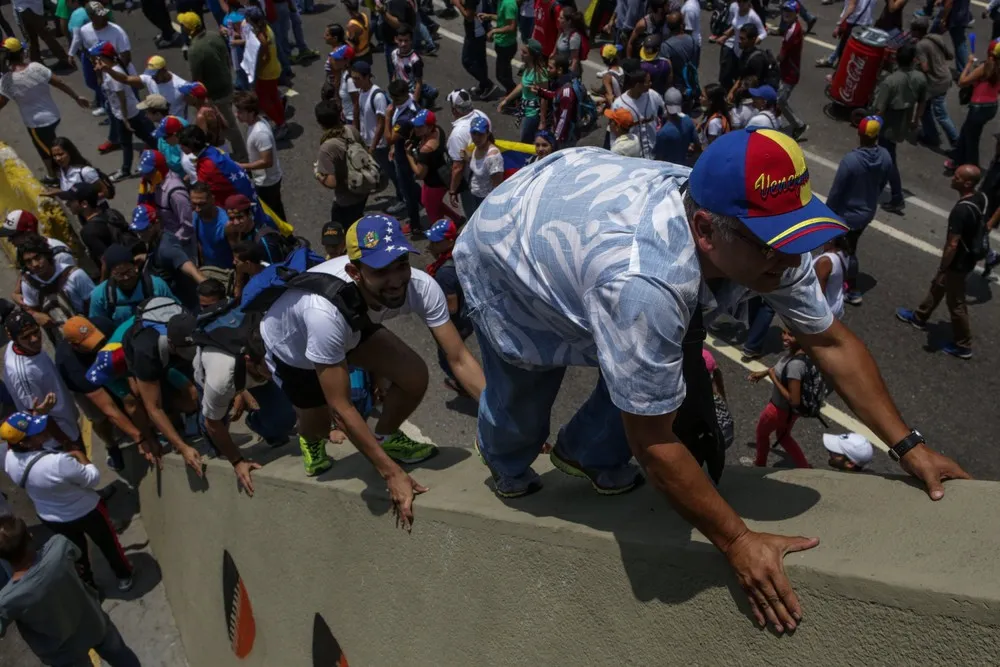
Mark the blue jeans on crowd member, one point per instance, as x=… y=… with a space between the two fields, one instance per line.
x=515 y=411
x=967 y=147
x=936 y=110
x=760 y=316
x=240 y=80
x=305 y=6
x=281 y=27
x=895 y=182
x=275 y=420
x=529 y=127
x=525 y=26
x=408 y=188
x=961 y=42
x=425 y=41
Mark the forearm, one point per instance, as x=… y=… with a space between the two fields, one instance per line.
x=221 y=438
x=948 y=256
x=118 y=418
x=468 y=373
x=256 y=164
x=457 y=167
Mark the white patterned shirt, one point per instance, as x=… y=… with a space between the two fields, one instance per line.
x=586 y=258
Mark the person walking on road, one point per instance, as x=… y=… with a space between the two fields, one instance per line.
x=984 y=79
x=31 y=16
x=855 y=13
x=860 y=179
x=933 y=54
x=900 y=100
x=779 y=414
x=790 y=65
x=964 y=246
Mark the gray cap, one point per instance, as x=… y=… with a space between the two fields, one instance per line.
x=154 y=102
x=672 y=100
x=95 y=8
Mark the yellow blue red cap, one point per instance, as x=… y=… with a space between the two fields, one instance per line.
x=377 y=241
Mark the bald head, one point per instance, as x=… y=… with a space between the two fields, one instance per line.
x=967 y=177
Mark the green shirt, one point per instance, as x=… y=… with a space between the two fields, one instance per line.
x=209 y=60
x=506 y=15
x=531 y=103
x=895 y=99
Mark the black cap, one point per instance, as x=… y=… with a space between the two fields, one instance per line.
x=361 y=67
x=79 y=192
x=115 y=255
x=17 y=321
x=333 y=233
x=180 y=329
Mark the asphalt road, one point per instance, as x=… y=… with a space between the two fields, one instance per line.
x=952 y=402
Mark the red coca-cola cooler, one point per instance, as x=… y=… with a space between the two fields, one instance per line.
x=853 y=83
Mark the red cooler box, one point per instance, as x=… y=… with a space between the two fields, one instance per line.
x=853 y=84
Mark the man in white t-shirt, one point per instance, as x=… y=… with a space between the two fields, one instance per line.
x=740 y=13
x=372 y=105
x=100 y=29
x=310 y=342
x=691 y=11
x=157 y=80
x=262 y=150
x=462 y=114
x=646 y=107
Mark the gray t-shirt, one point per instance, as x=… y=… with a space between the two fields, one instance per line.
x=58 y=615
x=789 y=367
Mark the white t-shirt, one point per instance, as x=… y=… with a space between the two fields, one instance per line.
x=78 y=289
x=303 y=329
x=29 y=88
x=646 y=111
x=31 y=379
x=834 y=291
x=711 y=131
x=170 y=91
x=215 y=373
x=112 y=32
x=862 y=14
x=764 y=119
x=70 y=176
x=737 y=22
x=61 y=488
x=460 y=136
x=482 y=170
x=741 y=115
x=63 y=255
x=691 y=10
x=346 y=103
x=372 y=109
x=111 y=88
x=260 y=138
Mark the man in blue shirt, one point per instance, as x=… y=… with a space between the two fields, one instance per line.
x=677 y=136
x=117 y=297
x=210 y=228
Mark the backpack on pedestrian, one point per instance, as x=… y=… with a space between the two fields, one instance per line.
x=586 y=108
x=979 y=247
x=363 y=174
x=813 y=391
x=226 y=327
x=154 y=313
x=772 y=72
x=719 y=23
x=111 y=290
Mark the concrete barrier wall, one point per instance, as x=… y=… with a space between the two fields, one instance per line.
x=565 y=577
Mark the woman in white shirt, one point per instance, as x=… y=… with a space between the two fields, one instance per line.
x=73 y=168
x=62 y=486
x=740 y=13
x=485 y=162
x=122 y=101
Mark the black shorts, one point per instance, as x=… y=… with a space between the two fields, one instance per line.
x=42 y=138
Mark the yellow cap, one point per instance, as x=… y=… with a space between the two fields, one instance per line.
x=155 y=63
x=609 y=51
x=189 y=20
x=12 y=44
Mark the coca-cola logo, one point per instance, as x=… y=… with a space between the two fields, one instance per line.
x=855 y=68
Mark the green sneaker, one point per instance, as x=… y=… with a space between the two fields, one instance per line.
x=314 y=456
x=401 y=448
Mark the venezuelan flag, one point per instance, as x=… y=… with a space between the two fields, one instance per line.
x=515 y=155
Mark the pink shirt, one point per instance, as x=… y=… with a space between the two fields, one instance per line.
x=709 y=361
x=984 y=92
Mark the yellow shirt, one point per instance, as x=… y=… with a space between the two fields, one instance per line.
x=272 y=69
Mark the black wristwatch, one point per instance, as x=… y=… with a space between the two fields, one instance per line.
x=902 y=448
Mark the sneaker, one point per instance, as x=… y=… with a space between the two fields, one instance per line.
x=507 y=487
x=281 y=133
x=957 y=351
x=97 y=113
x=489 y=92
x=823 y=62
x=799 y=131
x=432 y=51
x=115 y=459
x=302 y=55
x=908 y=316
x=107 y=147
x=890 y=207
x=314 y=456
x=125 y=585
x=120 y=175
x=853 y=298
x=606 y=482
x=750 y=355
x=396 y=209
x=401 y=448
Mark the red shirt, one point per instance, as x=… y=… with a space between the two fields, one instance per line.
x=546 y=29
x=790 y=57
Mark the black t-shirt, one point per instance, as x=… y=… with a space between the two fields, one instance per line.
x=402 y=10
x=965 y=220
x=447 y=277
x=142 y=354
x=72 y=366
x=435 y=162
x=96 y=235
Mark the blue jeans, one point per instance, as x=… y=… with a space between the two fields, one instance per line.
x=760 y=314
x=281 y=26
x=961 y=42
x=304 y=6
x=895 y=182
x=90 y=78
x=515 y=411
x=408 y=188
x=936 y=110
x=275 y=420
x=529 y=126
x=240 y=80
x=525 y=26
x=425 y=41
x=967 y=147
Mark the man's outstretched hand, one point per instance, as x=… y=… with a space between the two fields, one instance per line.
x=758 y=560
x=932 y=469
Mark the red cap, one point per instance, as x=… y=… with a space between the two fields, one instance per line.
x=19 y=221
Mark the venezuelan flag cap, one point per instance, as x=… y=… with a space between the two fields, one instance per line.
x=870 y=126
x=110 y=364
x=377 y=241
x=760 y=177
x=21 y=425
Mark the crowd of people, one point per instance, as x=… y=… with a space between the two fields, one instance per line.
x=195 y=303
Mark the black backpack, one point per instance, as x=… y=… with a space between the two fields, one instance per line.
x=813 y=390
x=772 y=73
x=118 y=226
x=228 y=328
x=719 y=23
x=979 y=247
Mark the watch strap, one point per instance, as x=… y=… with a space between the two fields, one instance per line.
x=903 y=447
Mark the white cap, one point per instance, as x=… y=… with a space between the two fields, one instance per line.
x=672 y=100
x=460 y=99
x=852 y=445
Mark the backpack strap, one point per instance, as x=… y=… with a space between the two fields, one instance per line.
x=31 y=464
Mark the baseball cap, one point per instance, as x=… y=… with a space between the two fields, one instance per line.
x=765 y=92
x=361 y=67
x=17 y=321
x=534 y=46
x=194 y=89
x=102 y=48
x=18 y=221
x=870 y=126
x=142 y=217
x=854 y=446
x=97 y=9
x=180 y=329
x=151 y=161
x=444 y=229
x=21 y=425
x=479 y=125
x=237 y=202
x=81 y=332
x=993 y=48
x=109 y=364
x=424 y=118
x=168 y=127
x=460 y=99
x=78 y=192
x=760 y=177
x=672 y=100
x=155 y=101
x=377 y=241
x=609 y=51
x=650 y=48
x=790 y=6
x=190 y=20
x=622 y=117
x=343 y=52
x=12 y=44
x=155 y=64
x=333 y=233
